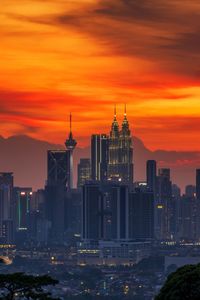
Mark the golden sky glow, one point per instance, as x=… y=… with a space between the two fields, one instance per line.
x=83 y=56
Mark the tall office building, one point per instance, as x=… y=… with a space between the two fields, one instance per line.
x=176 y=191
x=84 y=171
x=105 y=211
x=58 y=182
x=71 y=145
x=73 y=213
x=113 y=158
x=58 y=165
x=55 y=213
x=6 y=203
x=7 y=232
x=198 y=184
x=141 y=214
x=126 y=152
x=38 y=201
x=99 y=156
x=190 y=191
x=92 y=208
x=151 y=172
x=119 y=212
x=22 y=202
x=120 y=165
x=163 y=205
x=188 y=219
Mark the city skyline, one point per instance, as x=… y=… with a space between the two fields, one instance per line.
x=100 y=152
x=58 y=57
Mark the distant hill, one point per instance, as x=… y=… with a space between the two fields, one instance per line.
x=26 y=157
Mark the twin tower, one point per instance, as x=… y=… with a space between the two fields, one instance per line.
x=112 y=156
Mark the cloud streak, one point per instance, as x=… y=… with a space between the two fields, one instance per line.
x=83 y=56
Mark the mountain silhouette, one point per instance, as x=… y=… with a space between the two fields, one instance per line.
x=27 y=159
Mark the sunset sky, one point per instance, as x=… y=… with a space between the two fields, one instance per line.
x=83 y=56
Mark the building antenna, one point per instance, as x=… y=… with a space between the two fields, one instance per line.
x=115 y=111
x=125 y=109
x=70 y=122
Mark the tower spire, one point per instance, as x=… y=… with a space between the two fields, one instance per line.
x=115 y=112
x=125 y=124
x=70 y=122
x=71 y=145
x=115 y=126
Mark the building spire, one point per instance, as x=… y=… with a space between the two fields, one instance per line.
x=125 y=109
x=70 y=122
x=115 y=112
x=70 y=142
x=115 y=125
x=125 y=124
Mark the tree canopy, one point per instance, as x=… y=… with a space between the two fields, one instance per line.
x=20 y=285
x=182 y=285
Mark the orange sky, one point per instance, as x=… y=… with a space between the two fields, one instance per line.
x=83 y=56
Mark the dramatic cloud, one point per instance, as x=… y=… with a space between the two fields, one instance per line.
x=85 y=55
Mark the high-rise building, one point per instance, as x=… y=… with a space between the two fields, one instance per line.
x=7 y=232
x=163 y=205
x=73 y=213
x=71 y=145
x=105 y=211
x=6 y=203
x=92 y=208
x=84 y=171
x=174 y=211
x=58 y=165
x=119 y=212
x=58 y=182
x=120 y=164
x=126 y=152
x=151 y=172
x=198 y=184
x=99 y=156
x=22 y=202
x=176 y=191
x=113 y=159
x=190 y=191
x=38 y=201
x=188 y=219
x=141 y=214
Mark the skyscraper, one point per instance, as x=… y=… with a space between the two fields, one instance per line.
x=99 y=156
x=58 y=165
x=120 y=165
x=105 y=211
x=113 y=160
x=198 y=184
x=125 y=152
x=141 y=214
x=119 y=212
x=190 y=190
x=55 y=213
x=188 y=219
x=6 y=203
x=22 y=202
x=92 y=208
x=71 y=145
x=22 y=198
x=73 y=213
x=151 y=173
x=84 y=171
x=163 y=205
x=58 y=181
